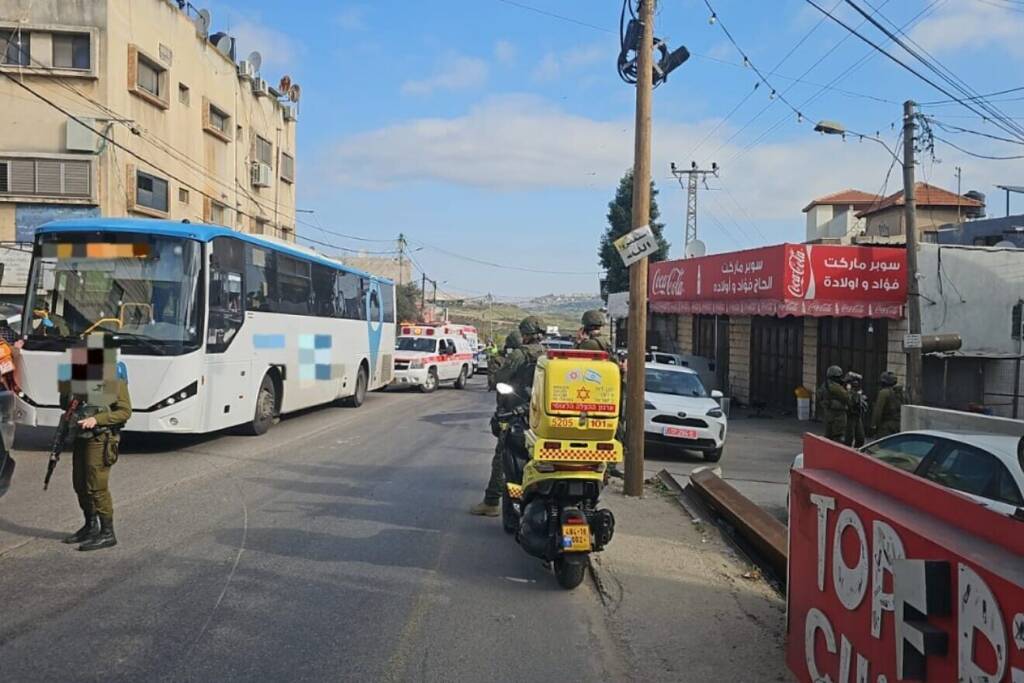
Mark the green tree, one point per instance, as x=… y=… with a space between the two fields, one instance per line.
x=620 y=221
x=407 y=301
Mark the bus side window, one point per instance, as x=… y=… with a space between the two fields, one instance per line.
x=226 y=313
x=351 y=303
x=323 y=291
x=387 y=293
x=260 y=294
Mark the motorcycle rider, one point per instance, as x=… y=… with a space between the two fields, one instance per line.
x=590 y=337
x=517 y=370
x=834 y=400
x=885 y=417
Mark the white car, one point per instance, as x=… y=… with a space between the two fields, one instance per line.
x=427 y=361
x=986 y=467
x=679 y=412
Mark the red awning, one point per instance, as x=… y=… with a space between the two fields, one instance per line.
x=787 y=279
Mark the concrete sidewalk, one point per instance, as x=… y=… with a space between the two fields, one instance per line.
x=682 y=603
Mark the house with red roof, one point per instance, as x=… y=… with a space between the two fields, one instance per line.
x=833 y=218
x=936 y=207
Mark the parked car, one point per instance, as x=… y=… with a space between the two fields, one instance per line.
x=11 y=313
x=987 y=467
x=701 y=365
x=557 y=343
x=679 y=412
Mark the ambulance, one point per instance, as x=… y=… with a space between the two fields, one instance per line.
x=429 y=355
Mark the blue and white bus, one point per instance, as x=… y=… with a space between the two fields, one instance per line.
x=217 y=328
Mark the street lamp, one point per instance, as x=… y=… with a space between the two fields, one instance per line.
x=836 y=128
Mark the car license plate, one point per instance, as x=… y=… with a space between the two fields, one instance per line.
x=681 y=432
x=575 y=538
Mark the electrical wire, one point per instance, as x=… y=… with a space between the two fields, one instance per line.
x=934 y=103
x=950 y=128
x=976 y=155
x=502 y=266
x=560 y=17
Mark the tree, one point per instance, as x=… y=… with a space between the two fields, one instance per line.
x=620 y=221
x=407 y=301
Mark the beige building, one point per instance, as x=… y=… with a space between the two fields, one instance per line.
x=884 y=222
x=193 y=132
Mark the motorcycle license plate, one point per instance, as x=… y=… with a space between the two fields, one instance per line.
x=575 y=538
x=681 y=432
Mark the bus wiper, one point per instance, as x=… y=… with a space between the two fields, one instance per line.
x=142 y=339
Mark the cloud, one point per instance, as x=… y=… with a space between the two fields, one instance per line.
x=505 y=51
x=457 y=72
x=352 y=18
x=972 y=24
x=555 y=65
x=521 y=142
x=279 y=50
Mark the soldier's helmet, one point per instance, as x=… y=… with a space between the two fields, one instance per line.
x=531 y=325
x=887 y=379
x=593 y=318
x=834 y=372
x=514 y=340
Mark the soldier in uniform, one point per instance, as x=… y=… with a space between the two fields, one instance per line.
x=516 y=370
x=100 y=383
x=591 y=337
x=885 y=417
x=835 y=403
x=857 y=411
x=513 y=341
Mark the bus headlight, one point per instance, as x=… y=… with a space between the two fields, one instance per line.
x=177 y=396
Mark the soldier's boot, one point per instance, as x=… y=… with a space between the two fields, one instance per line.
x=104 y=539
x=485 y=509
x=88 y=530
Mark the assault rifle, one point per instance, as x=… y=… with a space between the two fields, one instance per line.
x=69 y=418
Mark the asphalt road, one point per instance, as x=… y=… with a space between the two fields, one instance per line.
x=336 y=547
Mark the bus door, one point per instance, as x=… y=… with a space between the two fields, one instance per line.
x=231 y=388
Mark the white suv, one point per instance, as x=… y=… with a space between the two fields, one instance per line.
x=679 y=412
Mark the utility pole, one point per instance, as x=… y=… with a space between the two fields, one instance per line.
x=423 y=298
x=634 y=479
x=692 y=174
x=914 y=362
x=959 y=173
x=401 y=257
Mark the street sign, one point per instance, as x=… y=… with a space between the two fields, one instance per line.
x=911 y=341
x=636 y=244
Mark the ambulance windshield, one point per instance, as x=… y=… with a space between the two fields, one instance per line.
x=422 y=344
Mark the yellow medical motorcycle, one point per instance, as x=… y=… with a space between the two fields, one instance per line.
x=556 y=446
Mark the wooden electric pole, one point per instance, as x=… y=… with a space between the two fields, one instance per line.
x=634 y=475
x=914 y=363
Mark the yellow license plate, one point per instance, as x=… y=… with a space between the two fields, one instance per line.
x=575 y=538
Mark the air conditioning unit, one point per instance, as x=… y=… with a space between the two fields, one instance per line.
x=289 y=113
x=260 y=87
x=262 y=174
x=246 y=70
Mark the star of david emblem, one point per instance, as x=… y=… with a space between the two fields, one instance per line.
x=583 y=393
x=1018 y=631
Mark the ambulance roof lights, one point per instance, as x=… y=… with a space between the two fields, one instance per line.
x=430 y=331
x=577 y=354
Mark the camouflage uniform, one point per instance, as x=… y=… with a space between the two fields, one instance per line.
x=517 y=370
x=858 y=408
x=885 y=417
x=835 y=404
x=592 y=338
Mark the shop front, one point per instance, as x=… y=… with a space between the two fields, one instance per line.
x=776 y=317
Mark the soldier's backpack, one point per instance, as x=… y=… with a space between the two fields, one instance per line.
x=533 y=353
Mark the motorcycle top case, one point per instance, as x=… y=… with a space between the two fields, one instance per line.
x=575 y=396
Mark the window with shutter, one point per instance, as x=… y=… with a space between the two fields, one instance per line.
x=77 y=180
x=4 y=175
x=287 y=167
x=23 y=176
x=48 y=177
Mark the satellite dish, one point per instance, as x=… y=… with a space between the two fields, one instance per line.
x=203 y=21
x=256 y=59
x=1005 y=244
x=295 y=92
x=224 y=43
x=694 y=249
x=285 y=85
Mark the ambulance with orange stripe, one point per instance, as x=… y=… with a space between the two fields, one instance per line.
x=429 y=355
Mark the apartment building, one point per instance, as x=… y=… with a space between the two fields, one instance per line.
x=138 y=108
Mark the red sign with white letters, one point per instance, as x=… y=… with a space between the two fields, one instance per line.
x=895 y=578
x=787 y=279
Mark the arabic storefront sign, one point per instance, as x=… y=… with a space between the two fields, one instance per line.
x=894 y=578
x=787 y=279
x=636 y=244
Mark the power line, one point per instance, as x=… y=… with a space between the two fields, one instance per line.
x=934 y=103
x=975 y=154
x=502 y=266
x=950 y=128
x=560 y=17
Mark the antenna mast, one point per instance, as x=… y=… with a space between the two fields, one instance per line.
x=692 y=174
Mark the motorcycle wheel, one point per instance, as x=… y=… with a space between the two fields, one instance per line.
x=509 y=518
x=570 y=574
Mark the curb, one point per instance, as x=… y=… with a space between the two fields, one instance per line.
x=765 y=533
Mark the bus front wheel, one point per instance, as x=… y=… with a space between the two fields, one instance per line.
x=266 y=401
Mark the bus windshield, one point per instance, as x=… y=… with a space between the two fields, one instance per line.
x=421 y=344
x=143 y=289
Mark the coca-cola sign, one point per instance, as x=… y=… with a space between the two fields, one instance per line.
x=799 y=273
x=668 y=282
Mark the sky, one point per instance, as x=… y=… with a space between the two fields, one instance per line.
x=497 y=130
